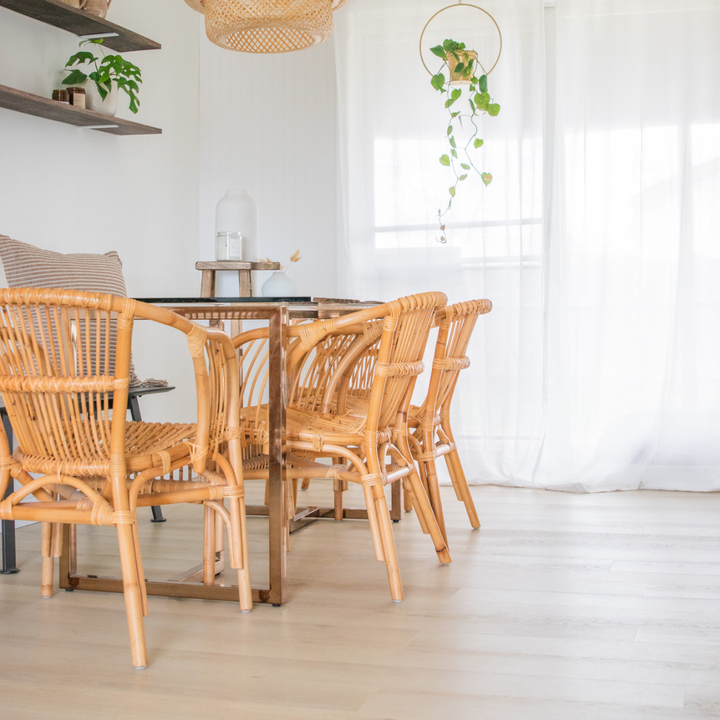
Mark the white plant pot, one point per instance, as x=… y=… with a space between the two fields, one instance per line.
x=278 y=285
x=94 y=101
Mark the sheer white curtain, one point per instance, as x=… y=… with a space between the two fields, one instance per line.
x=633 y=396
x=597 y=241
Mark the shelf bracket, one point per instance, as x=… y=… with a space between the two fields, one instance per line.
x=98 y=36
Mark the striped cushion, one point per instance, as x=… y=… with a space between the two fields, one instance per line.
x=29 y=266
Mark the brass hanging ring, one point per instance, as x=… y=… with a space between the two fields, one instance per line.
x=460 y=4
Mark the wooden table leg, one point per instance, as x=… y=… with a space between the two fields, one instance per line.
x=277 y=479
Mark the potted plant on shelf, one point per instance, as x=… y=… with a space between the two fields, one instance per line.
x=460 y=64
x=106 y=76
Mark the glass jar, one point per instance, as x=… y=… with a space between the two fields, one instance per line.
x=229 y=246
x=236 y=212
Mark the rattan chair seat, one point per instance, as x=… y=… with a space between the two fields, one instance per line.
x=309 y=426
x=142 y=442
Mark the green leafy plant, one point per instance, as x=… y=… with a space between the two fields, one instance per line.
x=460 y=64
x=106 y=70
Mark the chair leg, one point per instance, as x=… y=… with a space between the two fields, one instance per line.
x=454 y=466
x=388 y=541
x=133 y=595
x=337 y=499
x=305 y=484
x=457 y=474
x=244 y=584
x=434 y=494
x=294 y=495
x=209 y=539
x=423 y=507
x=407 y=496
x=374 y=523
x=220 y=541
x=48 y=562
x=420 y=516
x=56 y=540
x=339 y=487
x=140 y=571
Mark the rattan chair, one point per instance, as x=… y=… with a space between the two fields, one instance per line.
x=431 y=433
x=62 y=354
x=318 y=425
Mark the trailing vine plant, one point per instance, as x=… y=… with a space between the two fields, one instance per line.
x=460 y=64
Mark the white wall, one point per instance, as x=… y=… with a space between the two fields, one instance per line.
x=229 y=120
x=268 y=125
x=73 y=190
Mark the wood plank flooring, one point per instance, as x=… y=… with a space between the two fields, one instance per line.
x=562 y=607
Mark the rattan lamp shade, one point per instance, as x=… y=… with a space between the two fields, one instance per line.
x=199 y=5
x=268 y=26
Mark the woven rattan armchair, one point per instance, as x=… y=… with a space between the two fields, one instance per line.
x=317 y=424
x=63 y=353
x=429 y=424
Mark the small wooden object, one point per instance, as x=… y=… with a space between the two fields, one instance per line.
x=243 y=269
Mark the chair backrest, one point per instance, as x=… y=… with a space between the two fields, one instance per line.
x=342 y=364
x=58 y=394
x=455 y=327
x=374 y=353
x=399 y=361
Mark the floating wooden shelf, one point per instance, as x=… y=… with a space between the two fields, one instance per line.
x=78 y=22
x=30 y=104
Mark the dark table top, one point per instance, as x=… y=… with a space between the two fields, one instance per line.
x=222 y=300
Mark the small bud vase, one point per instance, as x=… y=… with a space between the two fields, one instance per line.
x=278 y=285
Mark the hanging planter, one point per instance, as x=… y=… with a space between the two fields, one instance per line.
x=466 y=98
x=461 y=65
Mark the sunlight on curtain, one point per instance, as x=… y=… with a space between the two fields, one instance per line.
x=633 y=397
x=598 y=243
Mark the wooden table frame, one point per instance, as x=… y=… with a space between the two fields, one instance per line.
x=189 y=584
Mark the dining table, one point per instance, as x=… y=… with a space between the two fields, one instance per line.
x=279 y=313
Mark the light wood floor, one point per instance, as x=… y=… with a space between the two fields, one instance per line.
x=562 y=607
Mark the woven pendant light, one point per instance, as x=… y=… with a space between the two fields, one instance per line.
x=267 y=26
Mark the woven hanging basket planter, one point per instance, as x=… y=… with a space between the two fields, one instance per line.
x=465 y=56
x=267 y=26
